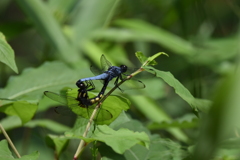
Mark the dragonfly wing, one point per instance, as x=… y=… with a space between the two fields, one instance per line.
x=105 y=64
x=102 y=115
x=96 y=71
x=132 y=84
x=57 y=97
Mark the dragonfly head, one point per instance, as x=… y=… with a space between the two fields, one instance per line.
x=80 y=84
x=123 y=68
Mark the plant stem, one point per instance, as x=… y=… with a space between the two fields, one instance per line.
x=9 y=141
x=82 y=142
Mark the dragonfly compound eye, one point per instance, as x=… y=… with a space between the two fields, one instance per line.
x=80 y=84
x=123 y=68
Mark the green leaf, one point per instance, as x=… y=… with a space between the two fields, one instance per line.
x=5 y=153
x=11 y=122
x=188 y=121
x=32 y=156
x=150 y=60
x=222 y=120
x=7 y=54
x=120 y=140
x=49 y=124
x=24 y=110
x=141 y=30
x=153 y=112
x=109 y=110
x=58 y=143
x=79 y=128
x=159 y=149
x=195 y=103
x=49 y=28
x=82 y=27
x=141 y=57
x=31 y=84
x=231 y=143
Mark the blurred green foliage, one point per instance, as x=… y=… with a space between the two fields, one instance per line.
x=49 y=45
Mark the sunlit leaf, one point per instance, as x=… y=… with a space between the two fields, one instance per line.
x=7 y=54
x=141 y=56
x=24 y=110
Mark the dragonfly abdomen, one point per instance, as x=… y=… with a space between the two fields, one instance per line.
x=99 y=77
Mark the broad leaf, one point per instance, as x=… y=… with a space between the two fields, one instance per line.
x=32 y=156
x=7 y=54
x=159 y=149
x=5 y=153
x=195 y=103
x=120 y=140
x=188 y=121
x=31 y=84
x=24 y=110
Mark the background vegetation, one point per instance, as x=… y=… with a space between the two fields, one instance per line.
x=49 y=45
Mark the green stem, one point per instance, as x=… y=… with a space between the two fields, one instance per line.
x=82 y=143
x=9 y=141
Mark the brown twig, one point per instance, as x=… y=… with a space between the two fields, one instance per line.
x=9 y=141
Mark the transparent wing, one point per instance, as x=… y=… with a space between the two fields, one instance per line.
x=74 y=106
x=57 y=97
x=96 y=71
x=132 y=84
x=105 y=64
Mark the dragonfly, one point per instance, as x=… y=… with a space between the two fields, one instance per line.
x=82 y=100
x=106 y=74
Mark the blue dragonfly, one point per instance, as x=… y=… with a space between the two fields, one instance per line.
x=106 y=74
x=82 y=100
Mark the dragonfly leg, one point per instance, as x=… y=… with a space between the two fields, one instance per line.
x=90 y=84
x=116 y=82
x=101 y=93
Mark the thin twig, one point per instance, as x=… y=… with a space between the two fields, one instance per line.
x=9 y=141
x=82 y=142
